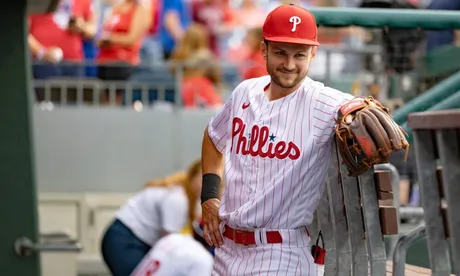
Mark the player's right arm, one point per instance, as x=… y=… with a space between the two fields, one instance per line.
x=215 y=140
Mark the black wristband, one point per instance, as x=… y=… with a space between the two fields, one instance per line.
x=210 y=187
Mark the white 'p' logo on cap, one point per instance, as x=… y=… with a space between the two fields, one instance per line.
x=295 y=20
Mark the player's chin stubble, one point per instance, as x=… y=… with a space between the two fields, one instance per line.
x=277 y=78
x=288 y=83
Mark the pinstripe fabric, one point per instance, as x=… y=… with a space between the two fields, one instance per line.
x=277 y=154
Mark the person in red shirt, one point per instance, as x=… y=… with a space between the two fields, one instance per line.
x=123 y=32
x=197 y=89
x=254 y=65
x=59 y=35
x=201 y=75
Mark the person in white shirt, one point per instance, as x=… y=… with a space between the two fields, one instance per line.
x=176 y=255
x=158 y=210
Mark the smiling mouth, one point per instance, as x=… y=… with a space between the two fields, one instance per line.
x=287 y=73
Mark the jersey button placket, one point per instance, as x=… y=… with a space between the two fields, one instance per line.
x=267 y=106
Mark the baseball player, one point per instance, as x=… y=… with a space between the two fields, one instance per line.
x=273 y=137
x=176 y=255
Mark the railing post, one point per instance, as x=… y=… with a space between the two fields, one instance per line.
x=395 y=184
x=436 y=141
x=406 y=240
x=431 y=202
x=358 y=233
x=448 y=142
x=333 y=223
x=353 y=210
x=371 y=214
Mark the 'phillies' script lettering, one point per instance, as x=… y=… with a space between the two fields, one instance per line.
x=260 y=136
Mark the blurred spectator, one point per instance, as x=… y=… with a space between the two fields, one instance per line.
x=59 y=36
x=256 y=63
x=440 y=38
x=195 y=43
x=216 y=16
x=197 y=88
x=200 y=74
x=232 y=47
x=175 y=17
x=121 y=39
x=151 y=49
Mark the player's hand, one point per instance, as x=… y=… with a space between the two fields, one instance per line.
x=211 y=221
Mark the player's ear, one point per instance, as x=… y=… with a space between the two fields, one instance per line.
x=314 y=50
x=263 y=49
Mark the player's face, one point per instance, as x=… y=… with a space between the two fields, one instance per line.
x=287 y=63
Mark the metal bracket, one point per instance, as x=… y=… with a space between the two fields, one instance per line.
x=25 y=247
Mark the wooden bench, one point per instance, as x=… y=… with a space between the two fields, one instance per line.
x=410 y=270
x=347 y=217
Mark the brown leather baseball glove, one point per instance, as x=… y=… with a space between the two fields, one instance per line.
x=370 y=137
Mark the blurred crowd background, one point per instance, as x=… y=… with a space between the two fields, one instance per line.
x=203 y=48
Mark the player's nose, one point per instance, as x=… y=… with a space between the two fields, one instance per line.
x=289 y=64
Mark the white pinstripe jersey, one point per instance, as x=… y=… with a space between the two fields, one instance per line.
x=276 y=153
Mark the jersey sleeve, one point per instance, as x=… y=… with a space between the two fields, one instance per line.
x=326 y=105
x=218 y=127
x=174 y=212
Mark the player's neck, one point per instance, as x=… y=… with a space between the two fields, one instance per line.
x=275 y=92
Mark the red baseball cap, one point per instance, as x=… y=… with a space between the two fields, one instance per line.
x=292 y=24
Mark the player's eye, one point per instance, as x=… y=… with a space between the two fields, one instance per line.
x=279 y=53
x=301 y=56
